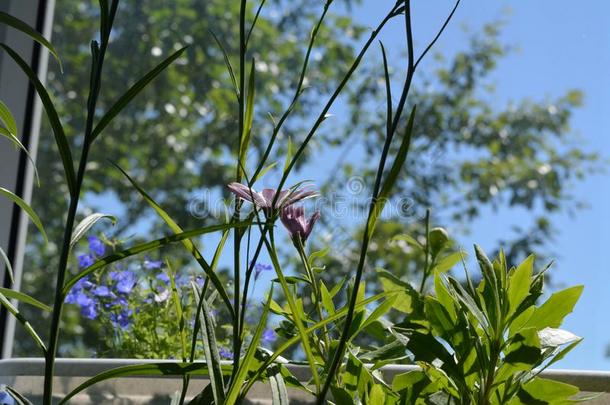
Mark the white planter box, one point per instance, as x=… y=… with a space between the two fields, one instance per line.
x=26 y=375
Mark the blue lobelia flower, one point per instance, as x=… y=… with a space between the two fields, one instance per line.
x=163 y=277
x=6 y=398
x=268 y=336
x=224 y=353
x=125 y=280
x=96 y=246
x=78 y=288
x=259 y=268
x=88 y=306
x=122 y=319
x=152 y=264
x=85 y=260
x=101 y=291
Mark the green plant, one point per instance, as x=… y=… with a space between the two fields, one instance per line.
x=488 y=344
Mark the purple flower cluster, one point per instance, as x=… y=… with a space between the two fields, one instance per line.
x=260 y=268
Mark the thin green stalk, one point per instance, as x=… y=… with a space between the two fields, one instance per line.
x=98 y=55
x=316 y=292
x=427 y=253
x=293 y=309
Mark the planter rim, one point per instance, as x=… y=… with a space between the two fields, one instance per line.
x=586 y=380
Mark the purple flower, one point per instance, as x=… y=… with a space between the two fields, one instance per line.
x=126 y=280
x=85 y=261
x=88 y=306
x=268 y=336
x=101 y=291
x=152 y=264
x=224 y=353
x=6 y=398
x=77 y=290
x=265 y=198
x=122 y=319
x=96 y=246
x=298 y=226
x=199 y=281
x=259 y=268
x=163 y=277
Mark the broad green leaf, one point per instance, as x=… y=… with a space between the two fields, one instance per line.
x=133 y=91
x=443 y=296
x=146 y=247
x=439 y=318
x=7 y=263
x=447 y=262
x=410 y=240
x=552 y=312
x=83 y=227
x=327 y=300
x=378 y=312
x=19 y=296
x=4 y=301
x=29 y=31
x=542 y=390
x=377 y=395
x=407 y=295
x=519 y=283
x=341 y=396
x=524 y=350
x=149 y=369
x=188 y=244
x=58 y=131
x=26 y=208
x=264 y=171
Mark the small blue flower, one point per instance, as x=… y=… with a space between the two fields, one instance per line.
x=126 y=280
x=152 y=264
x=85 y=260
x=163 y=277
x=96 y=246
x=6 y=398
x=268 y=336
x=101 y=291
x=224 y=353
x=259 y=268
x=122 y=319
x=199 y=281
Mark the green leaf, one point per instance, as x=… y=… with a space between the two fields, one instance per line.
x=21 y=400
x=524 y=350
x=279 y=393
x=227 y=63
x=519 y=284
x=19 y=296
x=407 y=295
x=327 y=300
x=146 y=247
x=378 y=312
x=24 y=322
x=10 y=132
x=244 y=367
x=447 y=262
x=31 y=32
x=558 y=306
x=264 y=171
x=392 y=176
x=210 y=348
x=545 y=391
x=7 y=263
x=410 y=240
x=149 y=369
x=86 y=224
x=133 y=91
x=26 y=208
x=289 y=154
x=188 y=244
x=58 y=131
x=249 y=117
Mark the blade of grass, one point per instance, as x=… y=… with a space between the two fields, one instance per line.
x=7 y=263
x=26 y=208
x=4 y=301
x=31 y=32
x=146 y=247
x=132 y=92
x=58 y=130
x=227 y=63
x=240 y=376
x=19 y=296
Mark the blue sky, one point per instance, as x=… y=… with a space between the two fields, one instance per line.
x=561 y=45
